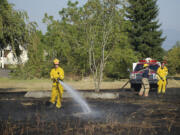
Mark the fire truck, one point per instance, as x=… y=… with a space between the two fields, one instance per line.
x=136 y=74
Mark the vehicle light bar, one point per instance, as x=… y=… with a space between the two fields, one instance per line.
x=153 y=61
x=142 y=61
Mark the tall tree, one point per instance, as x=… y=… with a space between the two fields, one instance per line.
x=104 y=33
x=86 y=36
x=13 y=29
x=36 y=66
x=145 y=34
x=65 y=39
x=173 y=59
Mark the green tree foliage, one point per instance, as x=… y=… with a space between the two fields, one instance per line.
x=13 y=29
x=65 y=39
x=173 y=59
x=91 y=38
x=97 y=27
x=106 y=37
x=37 y=66
x=145 y=34
x=120 y=61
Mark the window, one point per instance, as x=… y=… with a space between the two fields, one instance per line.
x=154 y=67
x=151 y=66
x=139 y=67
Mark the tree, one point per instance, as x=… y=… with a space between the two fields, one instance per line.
x=65 y=39
x=173 y=59
x=145 y=34
x=119 y=62
x=36 y=66
x=103 y=30
x=86 y=36
x=13 y=29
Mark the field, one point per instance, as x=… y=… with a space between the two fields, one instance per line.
x=85 y=84
x=127 y=115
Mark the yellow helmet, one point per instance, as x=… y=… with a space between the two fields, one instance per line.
x=145 y=65
x=56 y=61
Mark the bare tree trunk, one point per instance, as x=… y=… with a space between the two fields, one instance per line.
x=97 y=67
x=93 y=66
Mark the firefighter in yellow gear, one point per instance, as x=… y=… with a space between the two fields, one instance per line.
x=56 y=74
x=162 y=72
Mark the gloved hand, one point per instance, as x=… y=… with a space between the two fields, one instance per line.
x=54 y=80
x=58 y=79
x=162 y=79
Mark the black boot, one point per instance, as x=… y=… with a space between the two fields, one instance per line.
x=50 y=105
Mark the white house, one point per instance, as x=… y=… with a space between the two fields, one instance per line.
x=7 y=57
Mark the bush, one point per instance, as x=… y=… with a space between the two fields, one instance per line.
x=119 y=62
x=173 y=59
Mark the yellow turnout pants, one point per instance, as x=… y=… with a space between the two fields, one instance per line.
x=145 y=87
x=162 y=86
x=56 y=95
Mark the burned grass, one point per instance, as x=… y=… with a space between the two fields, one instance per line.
x=129 y=115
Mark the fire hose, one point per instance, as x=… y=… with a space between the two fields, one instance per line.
x=125 y=84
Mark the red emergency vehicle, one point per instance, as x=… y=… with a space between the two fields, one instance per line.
x=136 y=74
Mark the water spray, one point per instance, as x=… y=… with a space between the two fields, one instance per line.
x=77 y=97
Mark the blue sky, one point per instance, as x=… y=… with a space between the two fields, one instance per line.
x=168 y=14
x=37 y=8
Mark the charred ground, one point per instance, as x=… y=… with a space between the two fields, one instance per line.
x=130 y=114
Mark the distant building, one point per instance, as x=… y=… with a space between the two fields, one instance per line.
x=7 y=57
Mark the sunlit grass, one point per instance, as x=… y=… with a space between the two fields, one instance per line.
x=84 y=84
